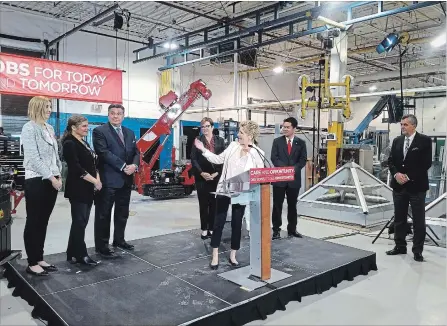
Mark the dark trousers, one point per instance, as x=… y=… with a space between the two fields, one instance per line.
x=207 y=204
x=103 y=215
x=417 y=201
x=278 y=199
x=80 y=213
x=40 y=197
x=237 y=213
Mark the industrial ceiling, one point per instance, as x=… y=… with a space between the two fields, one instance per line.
x=162 y=21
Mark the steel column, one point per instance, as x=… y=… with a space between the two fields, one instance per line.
x=338 y=64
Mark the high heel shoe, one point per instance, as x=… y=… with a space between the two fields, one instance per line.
x=49 y=268
x=214 y=267
x=233 y=264
x=30 y=271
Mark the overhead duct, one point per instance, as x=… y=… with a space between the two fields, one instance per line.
x=393 y=74
x=277 y=107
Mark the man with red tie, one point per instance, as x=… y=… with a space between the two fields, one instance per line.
x=287 y=150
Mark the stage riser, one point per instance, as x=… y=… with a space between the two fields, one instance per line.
x=167 y=281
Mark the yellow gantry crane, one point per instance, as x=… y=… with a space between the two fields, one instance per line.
x=328 y=101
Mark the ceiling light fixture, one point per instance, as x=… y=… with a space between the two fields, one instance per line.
x=278 y=70
x=439 y=41
x=169 y=45
x=388 y=43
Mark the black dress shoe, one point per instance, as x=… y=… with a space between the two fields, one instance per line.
x=30 y=271
x=233 y=264
x=87 y=261
x=396 y=251
x=124 y=245
x=295 y=234
x=50 y=268
x=418 y=257
x=276 y=235
x=106 y=253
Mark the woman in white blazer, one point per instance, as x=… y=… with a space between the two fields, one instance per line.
x=42 y=181
x=240 y=156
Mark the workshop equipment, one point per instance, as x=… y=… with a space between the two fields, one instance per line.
x=177 y=181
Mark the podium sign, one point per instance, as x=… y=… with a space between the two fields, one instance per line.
x=252 y=188
x=268 y=175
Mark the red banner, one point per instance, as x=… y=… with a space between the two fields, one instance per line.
x=267 y=175
x=33 y=77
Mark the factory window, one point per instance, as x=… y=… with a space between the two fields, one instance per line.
x=14 y=108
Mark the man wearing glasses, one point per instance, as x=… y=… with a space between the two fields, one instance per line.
x=118 y=161
x=206 y=175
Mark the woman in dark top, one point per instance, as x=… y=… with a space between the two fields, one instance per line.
x=207 y=176
x=80 y=186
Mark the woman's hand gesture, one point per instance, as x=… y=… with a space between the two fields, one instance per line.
x=199 y=145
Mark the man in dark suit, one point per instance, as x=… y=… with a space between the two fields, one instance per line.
x=409 y=161
x=206 y=175
x=118 y=161
x=287 y=150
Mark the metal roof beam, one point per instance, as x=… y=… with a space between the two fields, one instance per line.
x=207 y=29
x=228 y=37
x=190 y=11
x=84 y=24
x=279 y=23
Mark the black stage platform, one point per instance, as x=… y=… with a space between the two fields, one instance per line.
x=167 y=281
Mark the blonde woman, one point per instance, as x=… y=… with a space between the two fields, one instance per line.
x=42 y=182
x=240 y=156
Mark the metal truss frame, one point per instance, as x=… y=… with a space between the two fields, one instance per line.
x=223 y=30
x=333 y=198
x=435 y=215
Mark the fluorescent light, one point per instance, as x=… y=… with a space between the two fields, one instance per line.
x=373 y=88
x=439 y=41
x=278 y=69
x=169 y=45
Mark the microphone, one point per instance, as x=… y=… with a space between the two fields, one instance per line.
x=264 y=159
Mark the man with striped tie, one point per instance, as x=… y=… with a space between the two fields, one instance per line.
x=287 y=150
x=409 y=161
x=119 y=158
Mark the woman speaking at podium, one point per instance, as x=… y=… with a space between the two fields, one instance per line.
x=240 y=156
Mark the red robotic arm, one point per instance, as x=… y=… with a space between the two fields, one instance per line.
x=174 y=107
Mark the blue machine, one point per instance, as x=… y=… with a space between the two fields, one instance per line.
x=395 y=113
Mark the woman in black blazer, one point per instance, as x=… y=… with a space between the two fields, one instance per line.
x=206 y=176
x=82 y=182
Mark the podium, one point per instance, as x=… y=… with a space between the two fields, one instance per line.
x=252 y=188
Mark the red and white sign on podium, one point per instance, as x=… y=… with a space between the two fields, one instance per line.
x=268 y=175
x=252 y=188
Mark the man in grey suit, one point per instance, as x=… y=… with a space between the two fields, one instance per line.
x=287 y=150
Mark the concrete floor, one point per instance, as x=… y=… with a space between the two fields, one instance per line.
x=401 y=292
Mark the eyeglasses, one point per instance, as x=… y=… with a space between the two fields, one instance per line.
x=207 y=126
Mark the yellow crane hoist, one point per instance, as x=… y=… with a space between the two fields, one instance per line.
x=328 y=101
